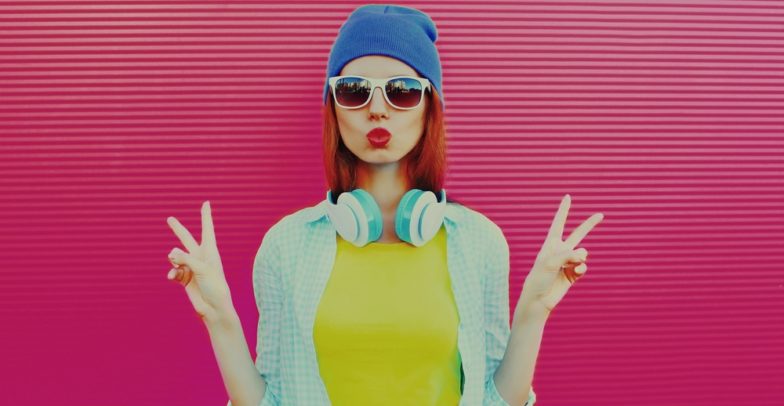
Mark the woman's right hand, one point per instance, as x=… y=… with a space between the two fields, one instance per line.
x=200 y=270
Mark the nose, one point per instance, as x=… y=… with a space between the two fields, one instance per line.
x=378 y=104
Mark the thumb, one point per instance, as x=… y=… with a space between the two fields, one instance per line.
x=180 y=257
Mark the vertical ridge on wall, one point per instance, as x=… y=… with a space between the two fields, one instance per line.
x=666 y=116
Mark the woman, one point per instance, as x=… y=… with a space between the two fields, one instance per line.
x=385 y=292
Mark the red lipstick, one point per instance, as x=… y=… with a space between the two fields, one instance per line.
x=378 y=137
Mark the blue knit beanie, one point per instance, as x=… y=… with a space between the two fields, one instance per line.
x=403 y=33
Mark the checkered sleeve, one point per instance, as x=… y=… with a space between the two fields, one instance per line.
x=268 y=295
x=497 y=330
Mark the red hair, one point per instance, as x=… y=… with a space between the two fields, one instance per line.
x=426 y=161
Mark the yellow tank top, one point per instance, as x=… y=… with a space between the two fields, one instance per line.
x=386 y=326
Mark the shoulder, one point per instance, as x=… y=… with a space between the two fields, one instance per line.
x=486 y=239
x=287 y=230
x=477 y=223
x=293 y=220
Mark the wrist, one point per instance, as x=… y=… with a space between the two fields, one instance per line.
x=224 y=319
x=530 y=311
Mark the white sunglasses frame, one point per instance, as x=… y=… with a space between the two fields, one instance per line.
x=378 y=82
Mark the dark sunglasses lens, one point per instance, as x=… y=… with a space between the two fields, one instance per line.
x=404 y=92
x=352 y=91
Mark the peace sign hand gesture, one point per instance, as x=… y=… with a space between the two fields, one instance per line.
x=558 y=265
x=200 y=270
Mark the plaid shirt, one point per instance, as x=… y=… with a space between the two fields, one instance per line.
x=290 y=272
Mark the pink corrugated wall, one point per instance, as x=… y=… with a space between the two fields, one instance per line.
x=666 y=116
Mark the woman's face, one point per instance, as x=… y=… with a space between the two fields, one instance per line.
x=405 y=126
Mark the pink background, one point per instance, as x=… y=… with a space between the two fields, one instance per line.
x=666 y=116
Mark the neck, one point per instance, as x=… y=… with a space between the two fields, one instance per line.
x=387 y=183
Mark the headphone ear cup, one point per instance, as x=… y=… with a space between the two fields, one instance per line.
x=343 y=219
x=432 y=217
x=403 y=215
x=419 y=216
x=347 y=200
x=371 y=223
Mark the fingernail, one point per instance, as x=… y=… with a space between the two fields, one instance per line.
x=169 y=275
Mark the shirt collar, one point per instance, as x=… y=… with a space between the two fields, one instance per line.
x=314 y=213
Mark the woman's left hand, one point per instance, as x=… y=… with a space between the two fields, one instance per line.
x=558 y=265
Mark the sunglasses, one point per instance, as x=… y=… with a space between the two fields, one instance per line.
x=401 y=92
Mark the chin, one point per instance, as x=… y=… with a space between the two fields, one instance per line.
x=379 y=160
x=380 y=156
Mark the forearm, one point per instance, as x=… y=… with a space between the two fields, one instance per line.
x=240 y=377
x=514 y=375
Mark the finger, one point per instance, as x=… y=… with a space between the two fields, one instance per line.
x=580 y=232
x=180 y=257
x=579 y=255
x=192 y=290
x=572 y=273
x=557 y=227
x=181 y=275
x=187 y=276
x=571 y=256
x=175 y=275
x=174 y=264
x=569 y=274
x=183 y=234
x=207 y=229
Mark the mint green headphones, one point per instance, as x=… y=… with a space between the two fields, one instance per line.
x=357 y=217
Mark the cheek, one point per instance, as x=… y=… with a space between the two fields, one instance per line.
x=349 y=133
x=417 y=124
x=341 y=123
x=346 y=124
